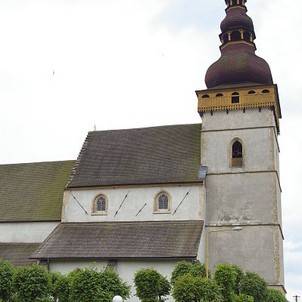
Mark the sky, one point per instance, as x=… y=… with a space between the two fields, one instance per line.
x=69 y=66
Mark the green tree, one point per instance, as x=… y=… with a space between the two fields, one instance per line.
x=89 y=285
x=274 y=295
x=6 y=281
x=60 y=287
x=226 y=276
x=32 y=283
x=254 y=286
x=182 y=268
x=188 y=288
x=111 y=283
x=243 y=298
x=239 y=276
x=85 y=287
x=151 y=286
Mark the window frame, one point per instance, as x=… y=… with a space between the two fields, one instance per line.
x=156 y=209
x=94 y=211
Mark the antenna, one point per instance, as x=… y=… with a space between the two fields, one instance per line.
x=79 y=203
x=94 y=127
x=121 y=204
x=296 y=298
x=187 y=194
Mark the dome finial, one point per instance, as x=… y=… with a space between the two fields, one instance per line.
x=238 y=63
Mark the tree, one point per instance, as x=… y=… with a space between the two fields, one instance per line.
x=253 y=285
x=89 y=285
x=60 y=287
x=243 y=298
x=111 y=283
x=274 y=295
x=182 y=268
x=239 y=276
x=226 y=277
x=188 y=288
x=32 y=283
x=151 y=286
x=85 y=287
x=6 y=281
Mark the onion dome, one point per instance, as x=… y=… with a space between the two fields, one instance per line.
x=238 y=64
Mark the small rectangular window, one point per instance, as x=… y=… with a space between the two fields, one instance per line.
x=235 y=99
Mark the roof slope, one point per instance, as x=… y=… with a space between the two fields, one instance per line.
x=18 y=253
x=167 y=154
x=34 y=191
x=113 y=240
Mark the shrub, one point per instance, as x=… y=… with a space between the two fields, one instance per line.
x=60 y=287
x=243 y=298
x=88 y=285
x=239 y=276
x=111 y=283
x=182 y=268
x=253 y=285
x=6 y=281
x=274 y=295
x=32 y=283
x=151 y=286
x=188 y=288
x=226 y=276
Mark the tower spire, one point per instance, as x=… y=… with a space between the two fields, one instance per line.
x=238 y=63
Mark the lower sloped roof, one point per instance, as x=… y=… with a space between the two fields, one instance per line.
x=33 y=191
x=168 y=239
x=18 y=253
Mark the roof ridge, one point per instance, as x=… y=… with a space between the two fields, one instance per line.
x=144 y=128
x=39 y=162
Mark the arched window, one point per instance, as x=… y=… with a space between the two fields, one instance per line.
x=235 y=36
x=205 y=96
x=237 y=154
x=235 y=98
x=100 y=205
x=265 y=91
x=162 y=203
x=252 y=92
x=219 y=95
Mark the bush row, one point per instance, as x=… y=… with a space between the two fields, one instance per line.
x=190 y=284
x=34 y=283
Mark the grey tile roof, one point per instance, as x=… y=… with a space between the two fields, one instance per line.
x=167 y=154
x=33 y=191
x=18 y=253
x=113 y=240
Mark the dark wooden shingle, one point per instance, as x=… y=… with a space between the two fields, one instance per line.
x=127 y=240
x=167 y=154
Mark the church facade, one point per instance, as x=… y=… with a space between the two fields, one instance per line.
x=151 y=197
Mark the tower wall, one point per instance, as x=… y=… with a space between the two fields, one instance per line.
x=247 y=196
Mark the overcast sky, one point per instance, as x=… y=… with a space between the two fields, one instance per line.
x=67 y=65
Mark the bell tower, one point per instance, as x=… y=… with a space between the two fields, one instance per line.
x=240 y=113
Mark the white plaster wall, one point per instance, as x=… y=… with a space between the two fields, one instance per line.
x=237 y=119
x=258 y=152
x=192 y=207
x=125 y=269
x=26 y=232
x=243 y=198
x=254 y=248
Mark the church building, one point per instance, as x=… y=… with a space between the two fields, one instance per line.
x=151 y=197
